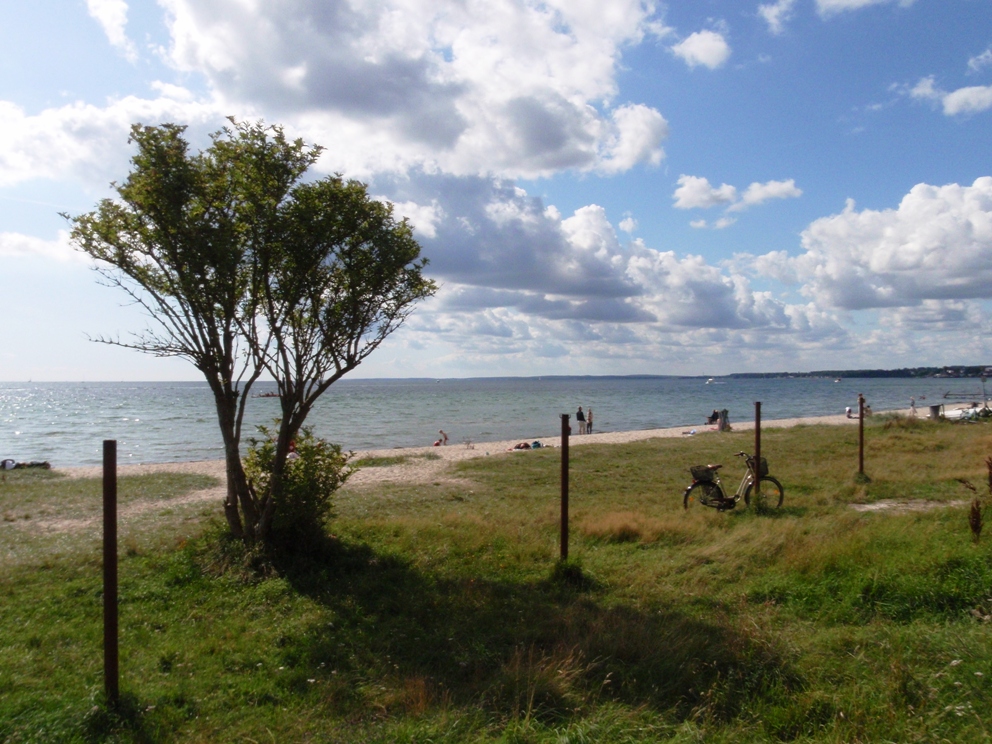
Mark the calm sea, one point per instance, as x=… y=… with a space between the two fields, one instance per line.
x=65 y=423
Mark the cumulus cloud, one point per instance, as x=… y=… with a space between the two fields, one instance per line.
x=777 y=14
x=969 y=100
x=758 y=193
x=635 y=136
x=628 y=224
x=83 y=141
x=830 y=7
x=505 y=87
x=112 y=17
x=937 y=245
x=707 y=48
x=696 y=192
x=689 y=293
x=423 y=217
x=541 y=269
x=492 y=234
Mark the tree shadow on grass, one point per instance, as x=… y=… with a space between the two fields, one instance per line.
x=545 y=648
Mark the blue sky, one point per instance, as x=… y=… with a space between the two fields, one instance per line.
x=602 y=187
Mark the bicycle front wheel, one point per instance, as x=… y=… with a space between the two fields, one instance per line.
x=771 y=494
x=705 y=492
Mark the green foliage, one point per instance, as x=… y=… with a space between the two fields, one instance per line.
x=304 y=503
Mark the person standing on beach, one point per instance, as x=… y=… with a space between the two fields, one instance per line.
x=443 y=438
x=581 y=418
x=912 y=407
x=589 y=422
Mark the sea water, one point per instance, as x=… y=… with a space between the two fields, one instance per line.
x=66 y=423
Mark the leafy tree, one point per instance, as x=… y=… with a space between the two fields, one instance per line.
x=245 y=268
x=343 y=278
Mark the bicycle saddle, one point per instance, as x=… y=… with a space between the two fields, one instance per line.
x=714 y=467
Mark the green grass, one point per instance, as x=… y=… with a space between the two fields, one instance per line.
x=382 y=462
x=440 y=613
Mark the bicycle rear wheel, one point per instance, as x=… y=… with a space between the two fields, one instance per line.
x=706 y=493
x=771 y=494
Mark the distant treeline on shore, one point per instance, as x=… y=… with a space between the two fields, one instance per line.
x=956 y=371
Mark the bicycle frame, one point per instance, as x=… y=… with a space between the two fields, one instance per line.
x=707 y=486
x=746 y=481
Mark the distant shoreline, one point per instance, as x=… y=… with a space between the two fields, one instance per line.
x=948 y=372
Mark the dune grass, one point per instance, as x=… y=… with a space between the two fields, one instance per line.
x=439 y=612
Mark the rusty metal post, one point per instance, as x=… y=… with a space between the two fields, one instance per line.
x=565 y=431
x=861 y=434
x=111 y=668
x=757 y=450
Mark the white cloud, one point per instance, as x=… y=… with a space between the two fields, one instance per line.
x=17 y=245
x=830 y=7
x=937 y=245
x=637 y=133
x=504 y=87
x=707 y=48
x=971 y=100
x=723 y=223
x=423 y=217
x=112 y=17
x=776 y=14
x=531 y=263
x=696 y=192
x=777 y=265
x=628 y=224
x=980 y=61
x=85 y=142
x=758 y=193
x=689 y=293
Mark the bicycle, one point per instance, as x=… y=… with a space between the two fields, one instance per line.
x=708 y=490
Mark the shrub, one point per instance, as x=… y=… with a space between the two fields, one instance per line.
x=304 y=504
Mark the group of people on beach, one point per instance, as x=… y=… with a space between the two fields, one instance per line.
x=585 y=421
x=721 y=419
x=583 y=417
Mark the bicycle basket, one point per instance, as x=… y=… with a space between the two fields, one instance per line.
x=762 y=468
x=702 y=473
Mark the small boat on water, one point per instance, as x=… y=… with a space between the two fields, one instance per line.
x=709 y=381
x=265 y=395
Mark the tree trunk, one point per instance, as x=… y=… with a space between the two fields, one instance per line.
x=243 y=520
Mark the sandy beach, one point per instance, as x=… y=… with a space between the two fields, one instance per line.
x=416 y=468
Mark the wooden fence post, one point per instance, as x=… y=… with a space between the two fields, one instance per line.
x=565 y=431
x=757 y=450
x=861 y=435
x=111 y=668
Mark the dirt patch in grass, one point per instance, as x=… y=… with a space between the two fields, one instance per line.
x=894 y=506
